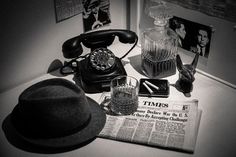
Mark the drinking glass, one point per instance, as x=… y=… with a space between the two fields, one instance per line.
x=124 y=95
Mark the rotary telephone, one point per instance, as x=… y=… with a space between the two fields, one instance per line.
x=96 y=69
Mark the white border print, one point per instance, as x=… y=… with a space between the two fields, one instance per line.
x=193 y=36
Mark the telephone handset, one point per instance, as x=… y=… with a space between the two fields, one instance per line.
x=96 y=69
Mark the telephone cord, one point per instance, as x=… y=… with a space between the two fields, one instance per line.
x=136 y=41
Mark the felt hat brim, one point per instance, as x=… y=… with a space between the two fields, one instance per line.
x=73 y=141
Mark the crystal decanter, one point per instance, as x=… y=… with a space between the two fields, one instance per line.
x=159 y=44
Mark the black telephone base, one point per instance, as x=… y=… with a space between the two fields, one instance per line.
x=92 y=82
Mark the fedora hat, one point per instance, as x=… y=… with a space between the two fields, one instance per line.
x=55 y=114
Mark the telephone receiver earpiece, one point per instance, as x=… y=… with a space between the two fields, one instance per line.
x=126 y=36
x=72 y=48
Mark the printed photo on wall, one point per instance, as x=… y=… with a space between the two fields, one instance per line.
x=194 y=37
x=96 y=13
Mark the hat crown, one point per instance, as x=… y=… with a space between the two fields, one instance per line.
x=54 y=91
x=51 y=108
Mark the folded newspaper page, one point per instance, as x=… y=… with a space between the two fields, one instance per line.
x=157 y=122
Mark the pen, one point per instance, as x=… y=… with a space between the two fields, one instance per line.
x=152 y=85
x=149 y=90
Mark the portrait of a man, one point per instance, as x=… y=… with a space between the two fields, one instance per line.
x=201 y=45
x=194 y=37
x=95 y=14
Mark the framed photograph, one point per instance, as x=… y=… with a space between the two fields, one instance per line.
x=96 y=14
x=194 y=37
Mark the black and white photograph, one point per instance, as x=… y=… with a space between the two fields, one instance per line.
x=194 y=37
x=96 y=13
x=118 y=78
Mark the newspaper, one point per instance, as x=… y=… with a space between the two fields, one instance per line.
x=157 y=122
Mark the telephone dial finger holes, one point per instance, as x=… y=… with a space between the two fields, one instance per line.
x=102 y=59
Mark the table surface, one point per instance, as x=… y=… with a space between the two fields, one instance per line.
x=216 y=135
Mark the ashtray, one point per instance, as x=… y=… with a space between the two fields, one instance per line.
x=154 y=88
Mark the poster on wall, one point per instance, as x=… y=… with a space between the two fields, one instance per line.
x=96 y=13
x=67 y=8
x=194 y=37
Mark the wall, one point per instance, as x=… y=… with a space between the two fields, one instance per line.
x=31 y=39
x=222 y=59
